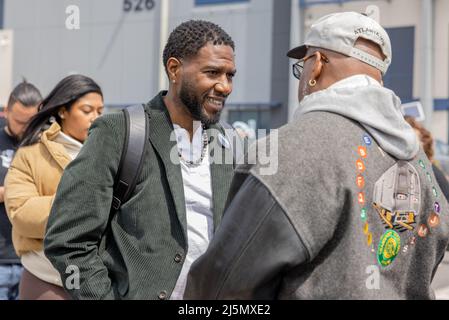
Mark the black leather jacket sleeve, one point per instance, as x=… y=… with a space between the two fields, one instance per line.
x=254 y=246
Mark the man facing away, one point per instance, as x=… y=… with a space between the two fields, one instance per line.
x=22 y=106
x=354 y=210
x=145 y=250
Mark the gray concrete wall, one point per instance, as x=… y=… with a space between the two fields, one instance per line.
x=2 y=3
x=405 y=13
x=6 y=58
x=122 y=50
x=113 y=47
x=279 y=62
x=250 y=25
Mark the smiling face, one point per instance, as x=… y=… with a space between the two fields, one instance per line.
x=77 y=120
x=206 y=81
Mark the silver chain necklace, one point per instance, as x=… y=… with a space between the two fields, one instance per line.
x=203 y=152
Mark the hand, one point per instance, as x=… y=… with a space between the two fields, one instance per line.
x=2 y=194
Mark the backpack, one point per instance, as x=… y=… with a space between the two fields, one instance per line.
x=134 y=147
x=131 y=161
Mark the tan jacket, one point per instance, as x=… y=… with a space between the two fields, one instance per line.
x=30 y=187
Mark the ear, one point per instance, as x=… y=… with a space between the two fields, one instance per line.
x=317 y=67
x=173 y=68
x=62 y=112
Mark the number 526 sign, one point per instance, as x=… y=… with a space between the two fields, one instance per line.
x=138 y=5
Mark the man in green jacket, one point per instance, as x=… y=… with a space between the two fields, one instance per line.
x=145 y=250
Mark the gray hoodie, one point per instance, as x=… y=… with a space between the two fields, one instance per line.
x=381 y=116
x=340 y=218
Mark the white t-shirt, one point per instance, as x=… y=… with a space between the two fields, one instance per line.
x=198 y=198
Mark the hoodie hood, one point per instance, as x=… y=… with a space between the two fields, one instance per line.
x=377 y=109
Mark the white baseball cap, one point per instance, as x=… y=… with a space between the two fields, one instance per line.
x=339 y=32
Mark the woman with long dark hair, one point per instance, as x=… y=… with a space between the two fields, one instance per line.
x=53 y=138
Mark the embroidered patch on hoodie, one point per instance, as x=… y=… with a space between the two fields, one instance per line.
x=397 y=197
x=396 y=204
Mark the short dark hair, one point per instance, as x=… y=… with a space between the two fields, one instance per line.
x=189 y=37
x=26 y=94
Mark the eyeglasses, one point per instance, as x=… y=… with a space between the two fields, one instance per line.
x=298 y=67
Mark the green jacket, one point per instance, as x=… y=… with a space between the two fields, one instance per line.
x=144 y=244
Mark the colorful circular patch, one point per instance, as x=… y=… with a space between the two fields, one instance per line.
x=366 y=229
x=435 y=192
x=361 y=198
x=360 y=165
x=434 y=220
x=423 y=231
x=369 y=239
x=421 y=163
x=437 y=207
x=362 y=152
x=363 y=214
x=367 y=140
x=360 y=181
x=389 y=246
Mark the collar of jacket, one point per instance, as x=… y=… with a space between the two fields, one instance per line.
x=163 y=139
x=56 y=150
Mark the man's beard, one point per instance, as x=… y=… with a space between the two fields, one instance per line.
x=195 y=106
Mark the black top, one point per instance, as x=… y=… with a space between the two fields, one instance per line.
x=8 y=146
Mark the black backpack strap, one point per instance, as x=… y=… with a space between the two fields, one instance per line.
x=237 y=145
x=131 y=162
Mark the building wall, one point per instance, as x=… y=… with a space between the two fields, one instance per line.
x=2 y=2
x=122 y=50
x=441 y=42
x=441 y=62
x=261 y=34
x=6 y=58
x=113 y=47
x=280 y=63
x=247 y=23
x=405 y=13
x=391 y=16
